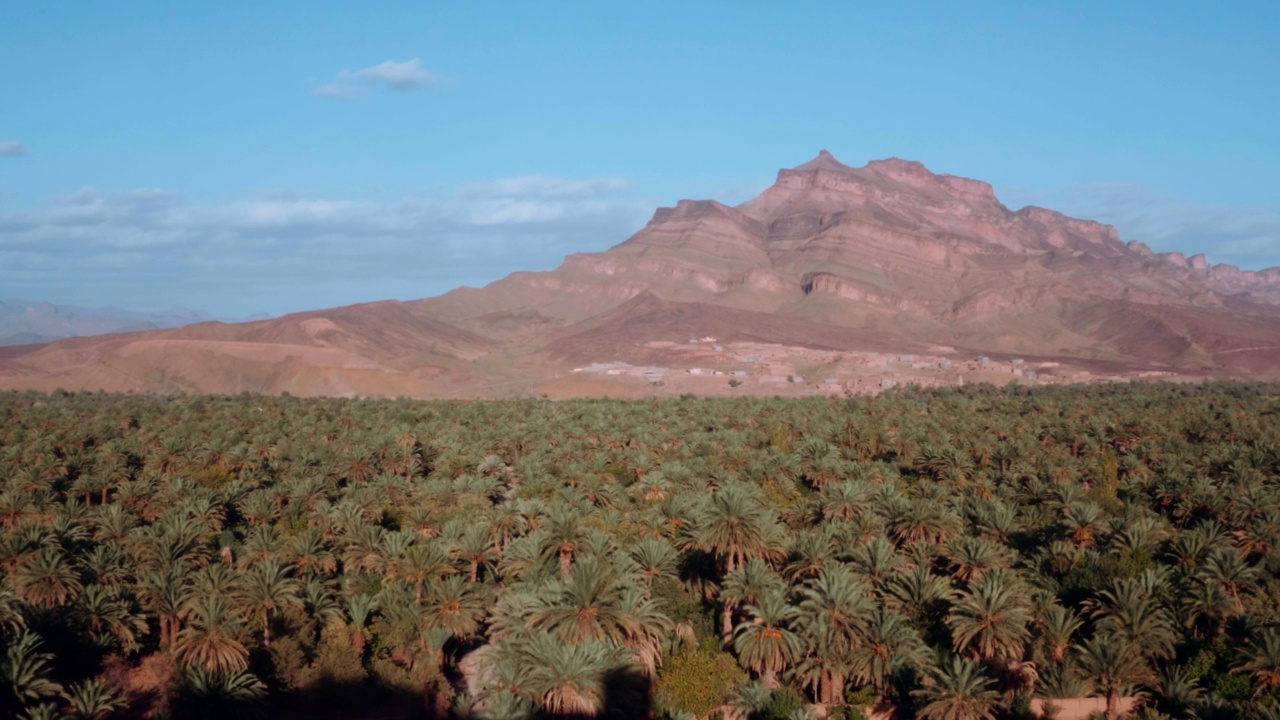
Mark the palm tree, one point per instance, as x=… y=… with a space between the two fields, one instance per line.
x=219 y=695
x=476 y=550
x=1113 y=666
x=265 y=588
x=737 y=527
x=1130 y=613
x=585 y=605
x=360 y=609
x=563 y=533
x=656 y=558
x=991 y=620
x=11 y=617
x=163 y=592
x=1229 y=570
x=647 y=630
x=844 y=501
x=309 y=552
x=959 y=690
x=834 y=608
x=746 y=586
x=888 y=644
x=765 y=643
x=920 y=595
x=811 y=551
x=453 y=604
x=27 y=670
x=1206 y=609
x=567 y=679
x=1178 y=691
x=420 y=564
x=92 y=699
x=209 y=640
x=919 y=520
x=1057 y=629
x=108 y=616
x=48 y=580
x=1262 y=660
x=972 y=557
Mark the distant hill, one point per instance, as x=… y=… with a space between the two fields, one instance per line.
x=23 y=322
x=834 y=279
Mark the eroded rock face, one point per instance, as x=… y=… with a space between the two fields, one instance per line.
x=939 y=254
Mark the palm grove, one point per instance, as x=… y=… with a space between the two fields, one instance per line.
x=949 y=554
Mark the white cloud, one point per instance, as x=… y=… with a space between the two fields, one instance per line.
x=12 y=149
x=538 y=186
x=389 y=75
x=1244 y=235
x=285 y=252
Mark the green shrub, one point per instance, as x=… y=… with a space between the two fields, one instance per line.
x=699 y=680
x=847 y=712
x=862 y=697
x=783 y=703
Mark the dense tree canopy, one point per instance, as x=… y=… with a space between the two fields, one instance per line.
x=951 y=553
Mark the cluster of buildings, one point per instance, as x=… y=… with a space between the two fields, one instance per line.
x=778 y=367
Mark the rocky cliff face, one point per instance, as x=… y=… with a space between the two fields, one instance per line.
x=938 y=255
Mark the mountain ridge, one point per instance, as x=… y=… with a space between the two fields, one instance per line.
x=871 y=261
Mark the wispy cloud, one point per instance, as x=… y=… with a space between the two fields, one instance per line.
x=1244 y=235
x=12 y=149
x=285 y=251
x=389 y=75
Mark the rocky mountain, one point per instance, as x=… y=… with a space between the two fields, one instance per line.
x=23 y=322
x=849 y=272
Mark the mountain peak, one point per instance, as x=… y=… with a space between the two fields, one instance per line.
x=828 y=184
x=825 y=161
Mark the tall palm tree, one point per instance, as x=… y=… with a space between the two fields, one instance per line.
x=765 y=643
x=567 y=679
x=888 y=644
x=266 y=588
x=27 y=670
x=746 y=586
x=991 y=620
x=455 y=605
x=11 y=609
x=310 y=554
x=210 y=639
x=834 y=608
x=47 y=580
x=1131 y=613
x=563 y=533
x=1262 y=660
x=736 y=527
x=109 y=616
x=360 y=609
x=476 y=550
x=92 y=699
x=648 y=630
x=1057 y=628
x=163 y=592
x=920 y=595
x=1113 y=666
x=876 y=560
x=958 y=690
x=419 y=564
x=972 y=557
x=656 y=558
x=585 y=605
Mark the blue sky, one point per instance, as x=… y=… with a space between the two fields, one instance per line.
x=270 y=157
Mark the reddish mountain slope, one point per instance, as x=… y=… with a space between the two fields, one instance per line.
x=887 y=258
